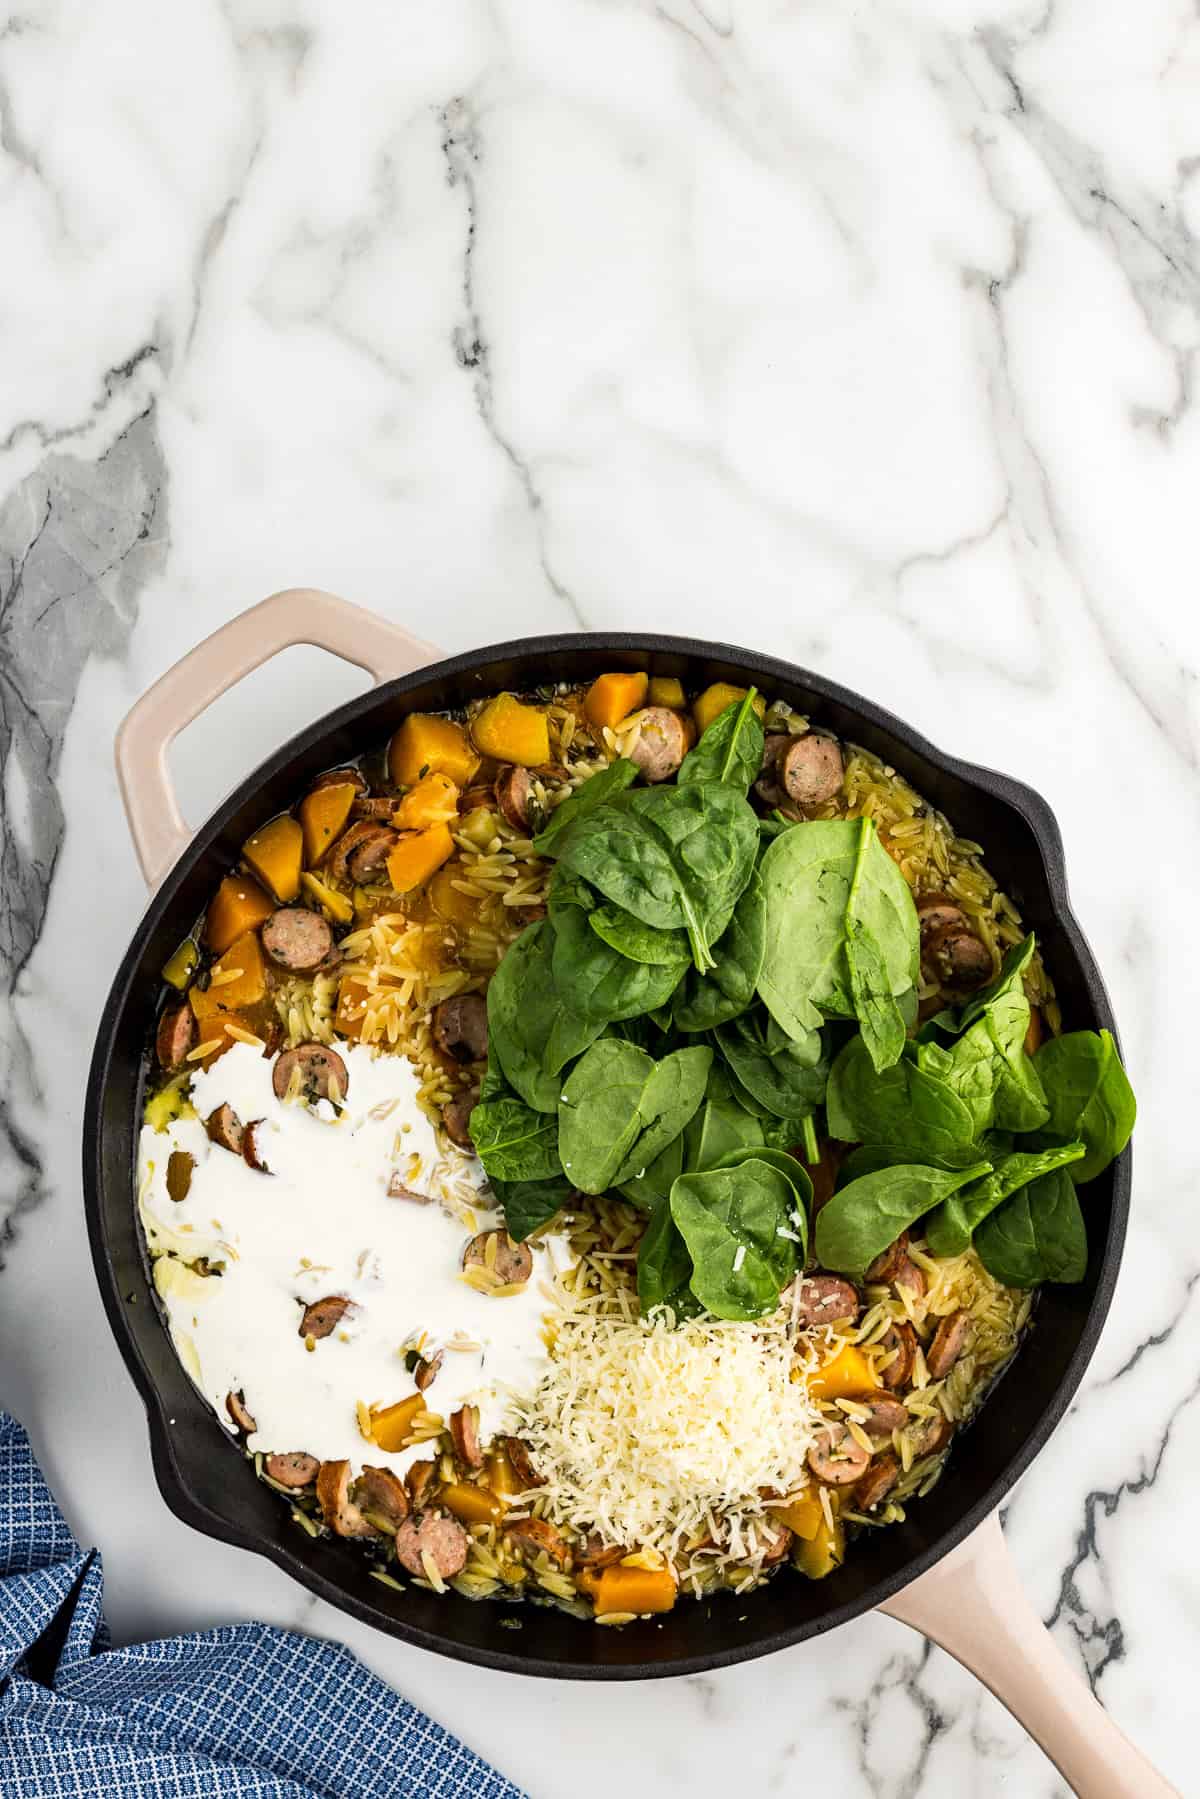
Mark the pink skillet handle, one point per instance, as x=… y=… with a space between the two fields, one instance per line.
x=974 y=1606
x=297 y=615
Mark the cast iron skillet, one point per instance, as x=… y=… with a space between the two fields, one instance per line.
x=200 y=1472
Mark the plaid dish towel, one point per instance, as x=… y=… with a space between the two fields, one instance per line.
x=246 y=1712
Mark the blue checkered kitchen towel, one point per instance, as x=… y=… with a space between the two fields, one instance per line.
x=247 y=1712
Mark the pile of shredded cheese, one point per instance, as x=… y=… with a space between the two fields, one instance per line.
x=660 y=1435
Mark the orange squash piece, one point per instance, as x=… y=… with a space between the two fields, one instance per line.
x=623 y=1589
x=428 y=745
x=433 y=801
x=801 y=1513
x=351 y=1006
x=509 y=731
x=823 y=1551
x=323 y=815
x=390 y=1424
x=610 y=698
x=217 y=1032
x=222 y=995
x=275 y=854
x=713 y=701
x=847 y=1375
x=238 y=905
x=417 y=855
x=449 y=902
x=470 y=1504
x=666 y=691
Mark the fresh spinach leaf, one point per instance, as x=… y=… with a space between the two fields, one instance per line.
x=704 y=1001
x=906 y=1108
x=1089 y=1097
x=599 y=790
x=594 y=983
x=786 y=1076
x=528 y=1205
x=532 y=1035
x=1004 y=996
x=664 y=1267
x=654 y=1183
x=720 y=1126
x=640 y=942
x=875 y=1005
x=730 y=1220
x=730 y=751
x=797 y=1177
x=815 y=877
x=620 y=1109
x=1037 y=1235
x=868 y=1214
x=987 y=1066
x=951 y=1230
x=513 y=1141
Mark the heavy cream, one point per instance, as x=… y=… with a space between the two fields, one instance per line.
x=320 y=1223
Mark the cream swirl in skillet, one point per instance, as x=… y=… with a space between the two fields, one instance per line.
x=322 y=1223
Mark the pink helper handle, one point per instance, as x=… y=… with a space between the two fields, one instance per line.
x=297 y=615
x=973 y=1605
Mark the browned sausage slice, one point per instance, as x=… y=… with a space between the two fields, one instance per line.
x=235 y=1405
x=774 y=744
x=323 y=1316
x=464 y=1430
x=596 y=1554
x=884 y=1415
x=895 y=1268
x=823 y=1299
x=460 y=1027
x=322 y=1073
x=836 y=1459
x=253 y=1145
x=949 y=1341
x=877 y=1482
x=514 y=790
x=294 y=1469
x=427 y=1370
x=397 y=1190
x=379 y=810
x=456 y=1117
x=180 y=1164
x=417 y=1480
x=661 y=744
x=176 y=1036
x=297 y=939
x=519 y=1460
x=958 y=959
x=362 y=851
x=512 y=1263
x=778 y=1548
x=933 y=1437
x=225 y=1127
x=437 y=1536
x=938 y=912
x=903 y=1339
x=339 y=777
x=379 y=1491
x=811 y=770
x=337 y=1508
x=535 y=1536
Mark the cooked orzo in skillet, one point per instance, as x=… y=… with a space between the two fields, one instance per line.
x=602 y=1147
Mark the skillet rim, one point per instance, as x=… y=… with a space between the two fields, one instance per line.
x=1031 y=808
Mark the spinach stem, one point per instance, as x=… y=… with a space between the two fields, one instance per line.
x=808 y=1132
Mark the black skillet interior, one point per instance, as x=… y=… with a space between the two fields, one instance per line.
x=202 y=1475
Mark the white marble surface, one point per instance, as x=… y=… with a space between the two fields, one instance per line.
x=865 y=334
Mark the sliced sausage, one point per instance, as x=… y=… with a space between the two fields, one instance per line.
x=323 y=1316
x=427 y=1370
x=958 y=959
x=774 y=744
x=460 y=1027
x=884 y=1415
x=225 y=1127
x=661 y=744
x=338 y=777
x=436 y=1535
x=895 y=1268
x=595 y=1553
x=778 y=1548
x=519 y=1460
x=877 y=1482
x=513 y=1262
x=180 y=1164
x=903 y=1339
x=417 y=1480
x=475 y=798
x=933 y=1437
x=337 y=1508
x=456 y=1117
x=362 y=851
x=235 y=1405
x=823 y=1299
x=464 y=1431
x=949 y=1341
x=938 y=912
x=253 y=1145
x=379 y=810
x=176 y=1036
x=535 y=1536
x=811 y=770
x=322 y=1073
x=379 y=1491
x=397 y=1190
x=297 y=939
x=294 y=1469
x=836 y=1459
x=514 y=790
x=1035 y=1034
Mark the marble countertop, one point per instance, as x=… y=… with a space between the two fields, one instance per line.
x=864 y=335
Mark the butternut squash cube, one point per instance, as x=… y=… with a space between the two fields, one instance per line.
x=244 y=961
x=665 y=690
x=801 y=1513
x=219 y=1033
x=471 y=1504
x=847 y=1375
x=417 y=855
x=323 y=815
x=510 y=731
x=238 y=905
x=610 y=698
x=823 y=1551
x=428 y=745
x=351 y=1006
x=623 y=1589
x=275 y=854
x=449 y=902
x=390 y=1424
x=713 y=701
x=433 y=801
